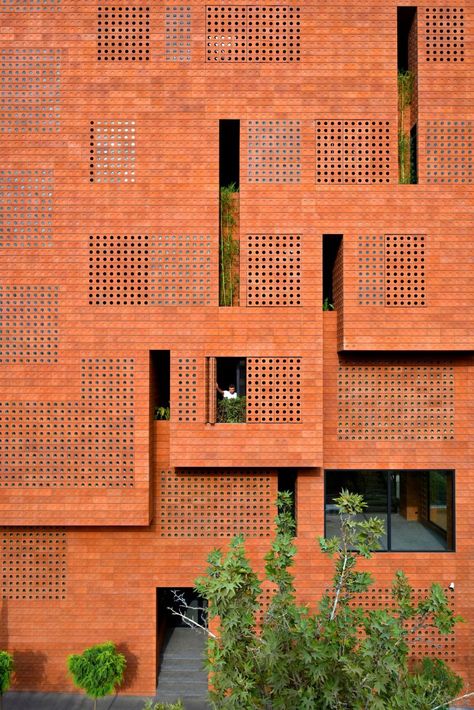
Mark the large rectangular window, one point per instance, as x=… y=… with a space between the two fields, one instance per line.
x=416 y=507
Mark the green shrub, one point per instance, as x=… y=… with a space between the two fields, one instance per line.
x=6 y=671
x=231 y=411
x=163 y=706
x=97 y=670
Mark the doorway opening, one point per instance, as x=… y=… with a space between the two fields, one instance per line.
x=181 y=645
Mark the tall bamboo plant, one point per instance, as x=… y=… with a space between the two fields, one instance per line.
x=228 y=247
x=406 y=86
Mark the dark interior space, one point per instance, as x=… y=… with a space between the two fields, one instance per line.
x=405 y=18
x=184 y=600
x=331 y=244
x=231 y=371
x=229 y=152
x=287 y=484
x=160 y=383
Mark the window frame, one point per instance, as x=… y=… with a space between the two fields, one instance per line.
x=388 y=472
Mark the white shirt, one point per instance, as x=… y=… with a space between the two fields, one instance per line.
x=229 y=395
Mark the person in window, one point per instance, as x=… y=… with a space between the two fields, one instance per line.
x=231 y=393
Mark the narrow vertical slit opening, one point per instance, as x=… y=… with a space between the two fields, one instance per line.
x=229 y=237
x=407 y=78
x=287 y=482
x=160 y=384
x=331 y=247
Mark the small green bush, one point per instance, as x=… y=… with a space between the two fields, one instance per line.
x=231 y=411
x=6 y=671
x=163 y=706
x=97 y=670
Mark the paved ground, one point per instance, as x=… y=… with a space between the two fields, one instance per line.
x=68 y=701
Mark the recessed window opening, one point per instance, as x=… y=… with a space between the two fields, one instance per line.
x=231 y=389
x=417 y=507
x=331 y=246
x=160 y=384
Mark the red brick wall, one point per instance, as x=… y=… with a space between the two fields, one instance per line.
x=110 y=251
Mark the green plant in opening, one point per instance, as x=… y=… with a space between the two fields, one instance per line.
x=97 y=670
x=6 y=671
x=231 y=411
x=406 y=86
x=228 y=247
x=328 y=305
x=162 y=413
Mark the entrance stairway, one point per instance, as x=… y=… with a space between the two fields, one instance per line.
x=181 y=674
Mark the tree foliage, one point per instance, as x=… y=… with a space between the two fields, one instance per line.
x=341 y=657
x=6 y=672
x=97 y=670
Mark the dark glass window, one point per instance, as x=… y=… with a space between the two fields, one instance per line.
x=415 y=506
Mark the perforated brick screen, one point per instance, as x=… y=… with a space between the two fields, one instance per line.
x=34 y=563
x=426 y=642
x=86 y=443
x=180 y=270
x=29 y=5
x=29 y=324
x=370 y=270
x=186 y=410
x=26 y=208
x=123 y=32
x=178 y=33
x=112 y=151
x=444 y=34
x=274 y=151
x=274 y=270
x=395 y=403
x=30 y=90
x=449 y=152
x=217 y=503
x=405 y=259
x=239 y=33
x=352 y=152
x=119 y=270
x=274 y=392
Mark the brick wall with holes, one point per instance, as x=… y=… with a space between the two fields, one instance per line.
x=109 y=249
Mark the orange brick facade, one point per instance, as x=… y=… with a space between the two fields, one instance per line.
x=109 y=250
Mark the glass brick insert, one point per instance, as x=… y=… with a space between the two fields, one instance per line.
x=274 y=151
x=449 y=152
x=26 y=208
x=29 y=5
x=34 y=563
x=370 y=270
x=30 y=90
x=112 y=151
x=216 y=503
x=180 y=270
x=178 y=33
x=384 y=403
x=29 y=324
